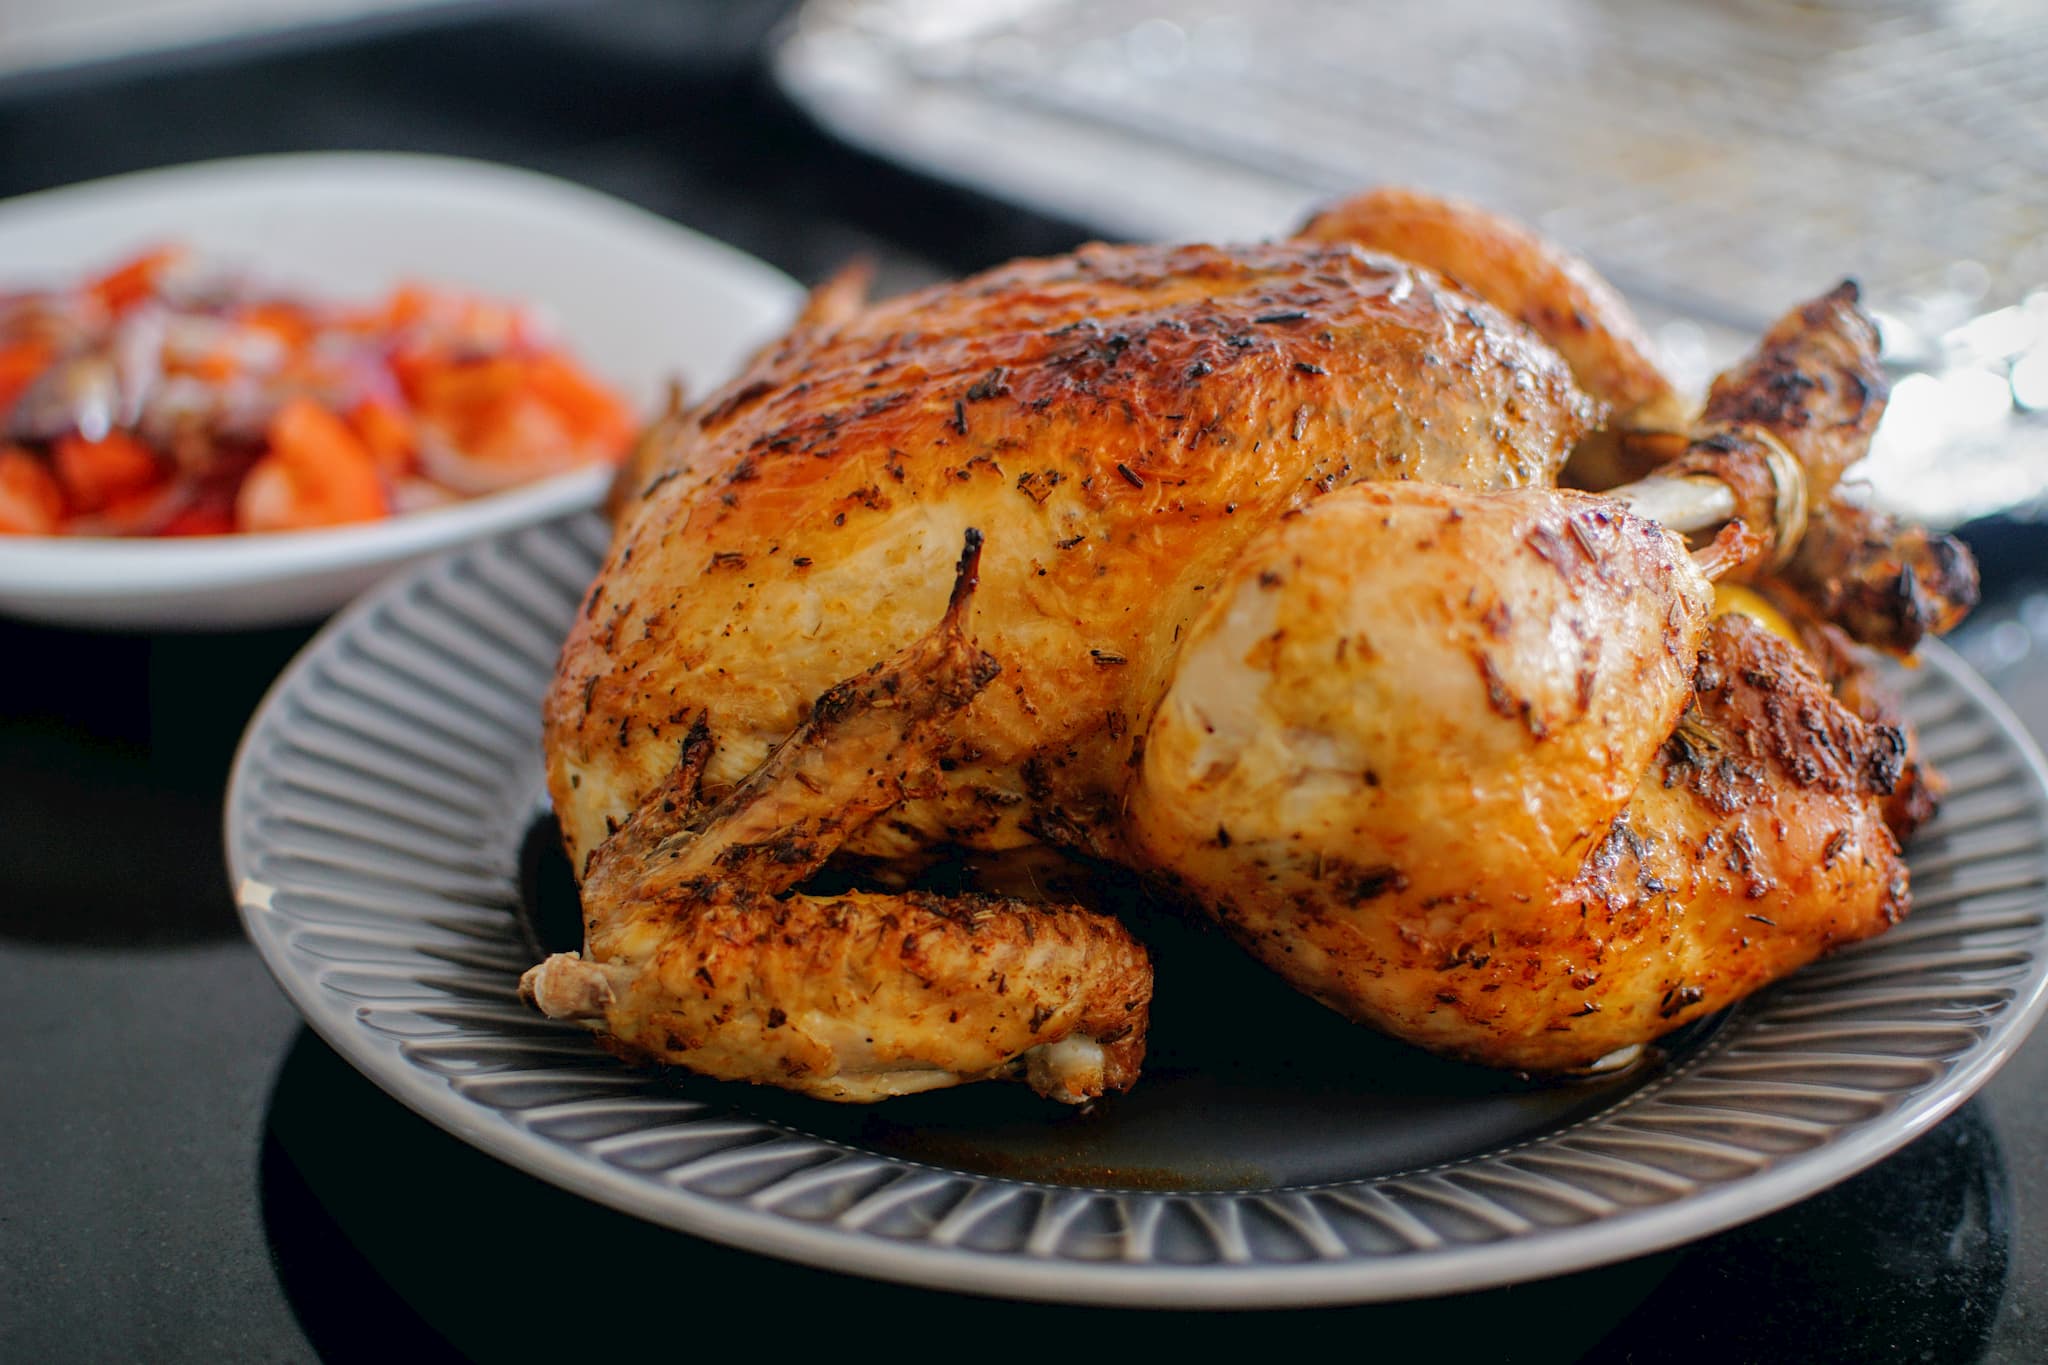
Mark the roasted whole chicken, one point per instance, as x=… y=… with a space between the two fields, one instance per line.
x=1252 y=570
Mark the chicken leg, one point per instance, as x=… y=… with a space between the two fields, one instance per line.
x=1887 y=583
x=1486 y=771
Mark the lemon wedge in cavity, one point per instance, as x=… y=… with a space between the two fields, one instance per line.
x=1733 y=597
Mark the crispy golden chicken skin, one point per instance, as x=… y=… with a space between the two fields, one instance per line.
x=703 y=953
x=1279 y=606
x=1118 y=423
x=1528 y=820
x=1552 y=292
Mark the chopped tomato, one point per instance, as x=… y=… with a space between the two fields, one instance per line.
x=445 y=314
x=130 y=514
x=98 y=473
x=420 y=397
x=200 y=519
x=20 y=363
x=133 y=281
x=409 y=304
x=531 y=413
x=214 y=367
x=318 y=473
x=31 y=501
x=465 y=398
x=450 y=386
x=289 y=325
x=592 y=411
x=388 y=433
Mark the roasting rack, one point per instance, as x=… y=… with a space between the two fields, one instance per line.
x=1717 y=160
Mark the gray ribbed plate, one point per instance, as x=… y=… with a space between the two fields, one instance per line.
x=378 y=834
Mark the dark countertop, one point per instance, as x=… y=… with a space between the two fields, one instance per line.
x=186 y=1173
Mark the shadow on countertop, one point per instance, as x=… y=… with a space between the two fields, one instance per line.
x=365 y=1202
x=116 y=750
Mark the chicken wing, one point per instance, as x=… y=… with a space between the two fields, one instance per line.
x=702 y=953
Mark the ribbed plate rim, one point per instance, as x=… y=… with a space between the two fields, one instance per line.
x=1357 y=1277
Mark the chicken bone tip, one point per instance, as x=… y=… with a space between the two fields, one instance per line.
x=567 y=987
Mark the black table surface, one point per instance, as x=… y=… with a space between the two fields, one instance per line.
x=186 y=1173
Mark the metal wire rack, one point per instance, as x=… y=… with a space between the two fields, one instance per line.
x=1718 y=160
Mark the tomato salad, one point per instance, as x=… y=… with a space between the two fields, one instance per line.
x=162 y=400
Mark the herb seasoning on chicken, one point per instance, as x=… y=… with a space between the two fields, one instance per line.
x=1272 y=595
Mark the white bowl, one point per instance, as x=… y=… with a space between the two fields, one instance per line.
x=636 y=299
